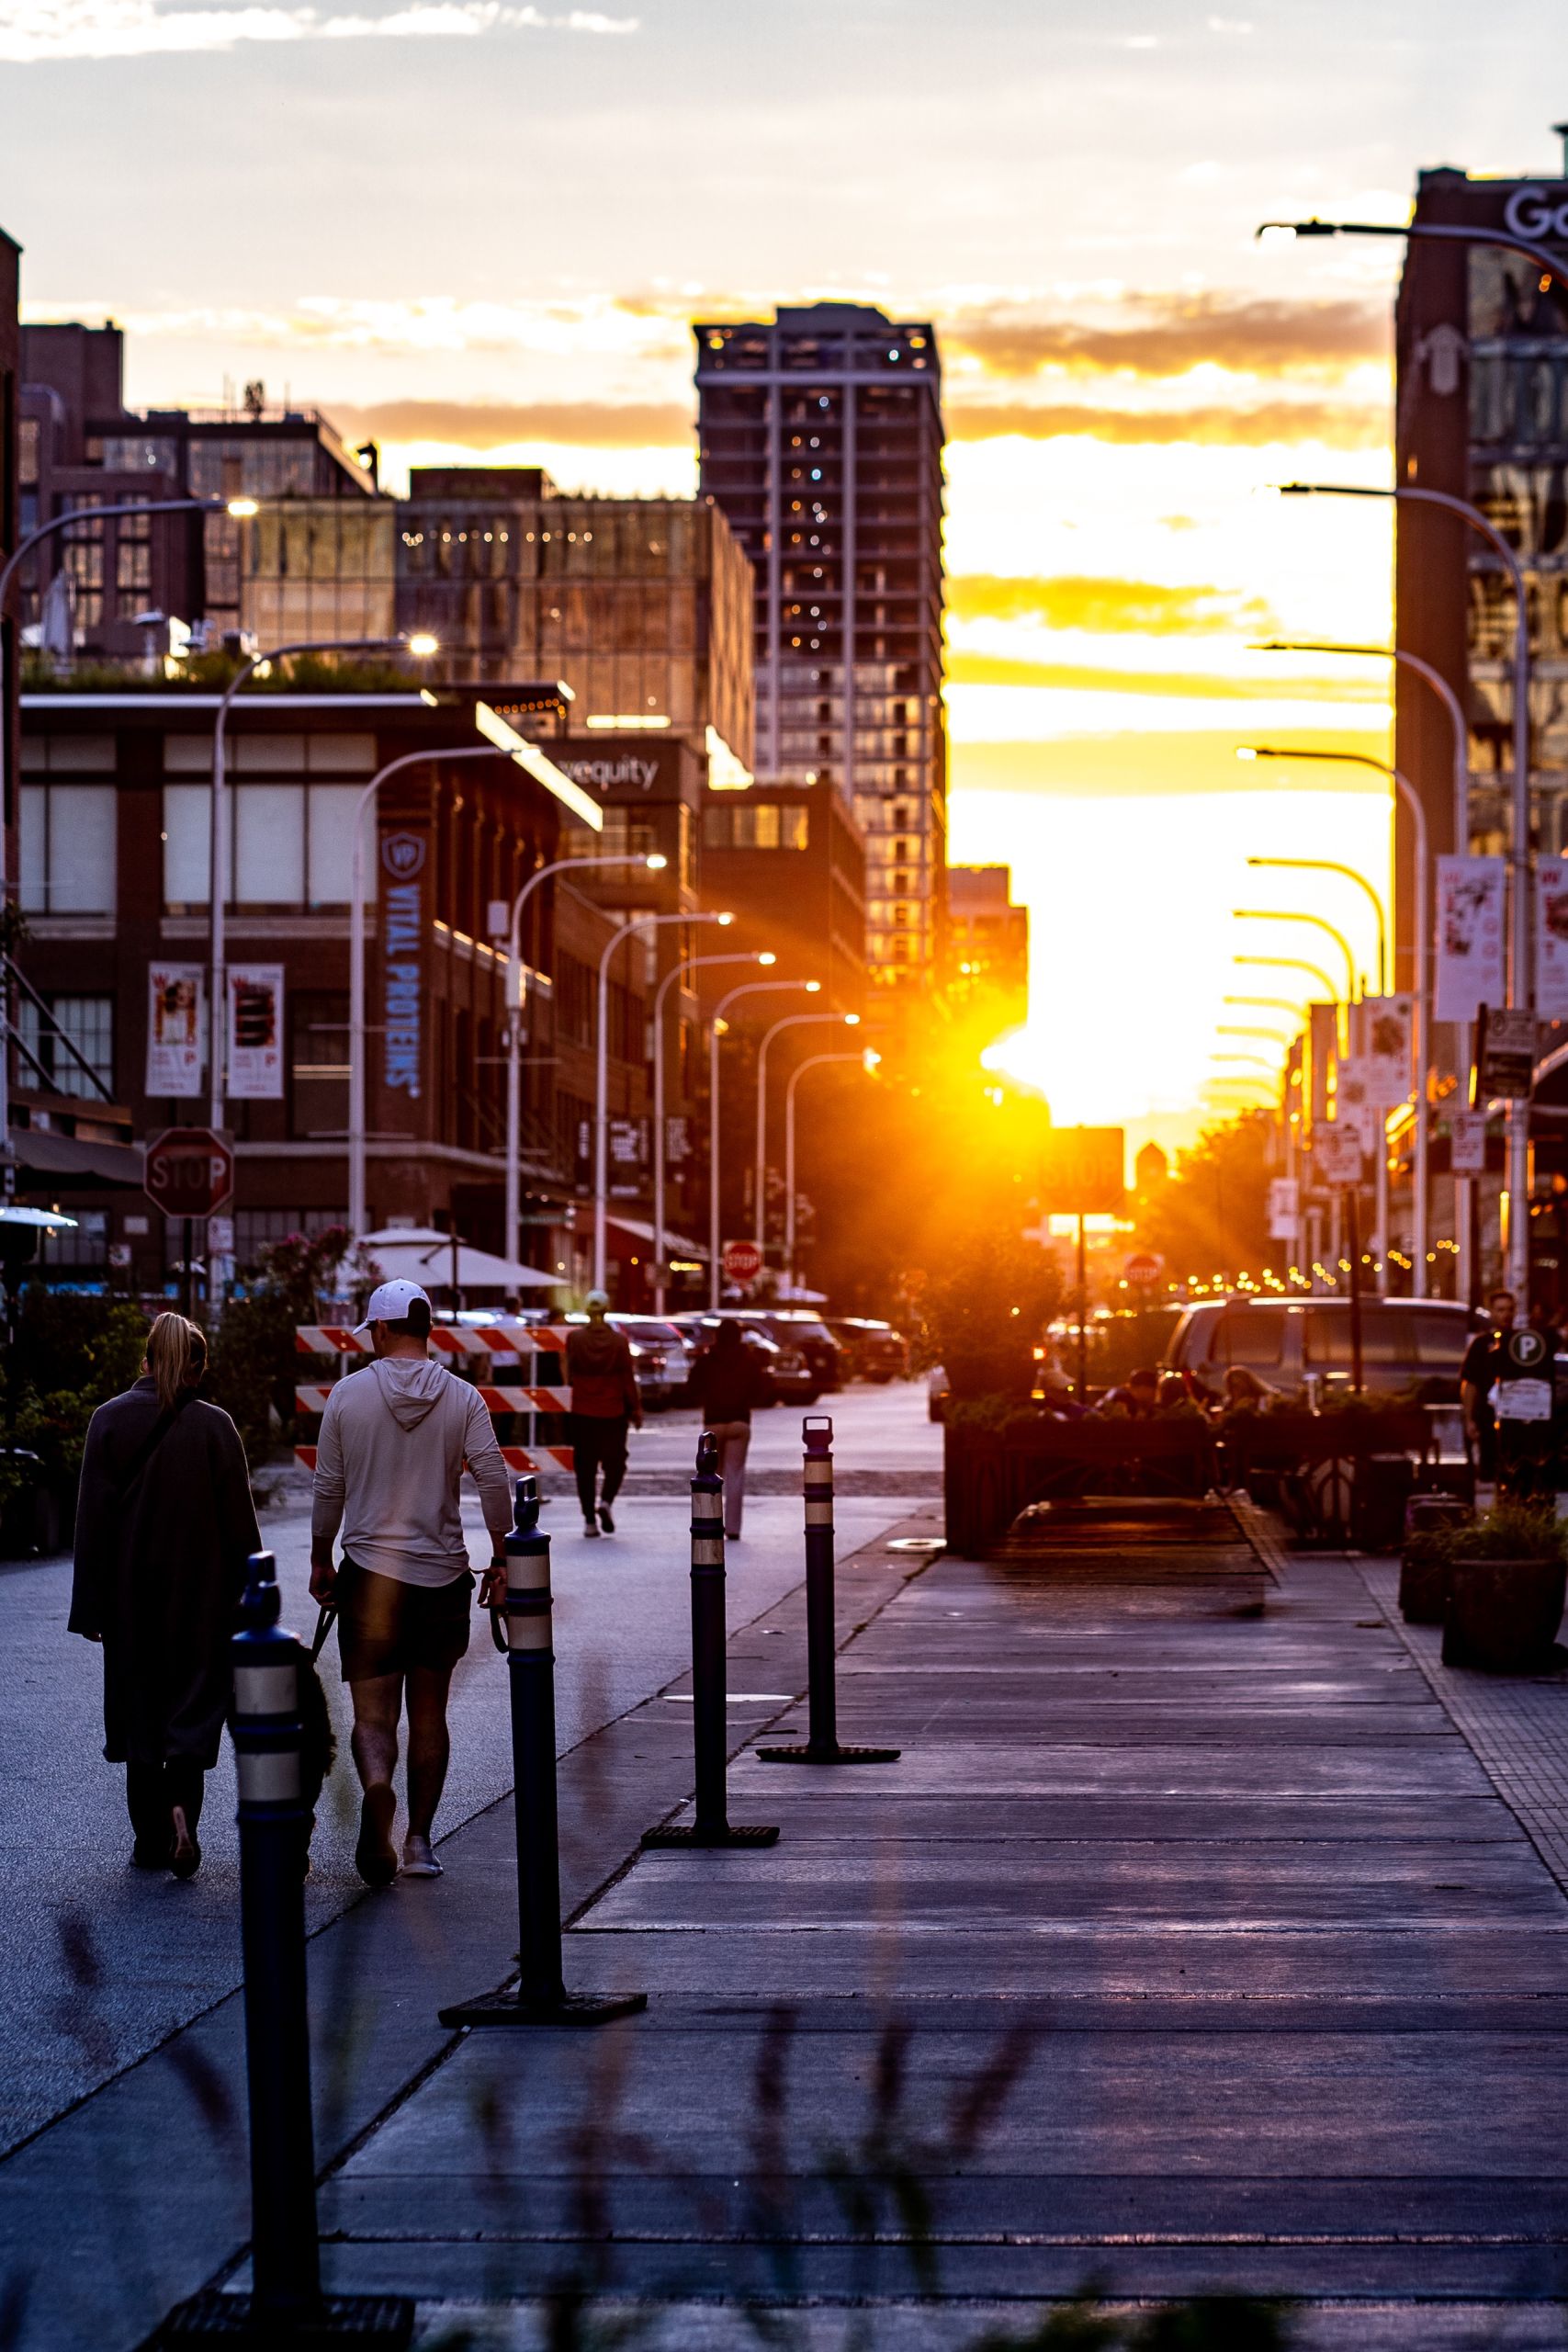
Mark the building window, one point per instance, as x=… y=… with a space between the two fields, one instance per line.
x=763 y=824
x=87 y=1247
x=88 y=1023
x=68 y=842
x=290 y=844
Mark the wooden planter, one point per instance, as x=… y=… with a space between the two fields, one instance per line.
x=1503 y=1615
x=1424 y=1583
x=989 y=1477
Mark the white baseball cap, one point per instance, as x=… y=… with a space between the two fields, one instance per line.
x=390 y=1302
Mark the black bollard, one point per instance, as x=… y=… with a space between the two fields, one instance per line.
x=822 y=1738
x=710 y=1727
x=541 y=1998
x=286 y=2303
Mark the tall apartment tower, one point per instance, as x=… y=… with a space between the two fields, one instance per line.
x=821 y=439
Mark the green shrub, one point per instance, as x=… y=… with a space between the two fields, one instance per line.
x=1509 y=1530
x=984 y=1310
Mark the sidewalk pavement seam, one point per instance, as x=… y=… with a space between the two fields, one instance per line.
x=1520 y=1741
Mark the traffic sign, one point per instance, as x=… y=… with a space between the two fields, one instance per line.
x=742 y=1261
x=189 y=1171
x=1142 y=1271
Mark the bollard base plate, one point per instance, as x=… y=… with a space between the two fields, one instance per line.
x=750 y=1836
x=834 y=1754
x=234 y=2320
x=572 y=2008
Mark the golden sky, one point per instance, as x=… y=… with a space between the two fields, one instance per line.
x=478 y=230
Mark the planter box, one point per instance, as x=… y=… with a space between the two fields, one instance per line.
x=1503 y=1615
x=1422 y=1583
x=989 y=1479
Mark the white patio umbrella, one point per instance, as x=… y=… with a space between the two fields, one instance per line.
x=421 y=1255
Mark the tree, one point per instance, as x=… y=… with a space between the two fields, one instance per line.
x=1211 y=1216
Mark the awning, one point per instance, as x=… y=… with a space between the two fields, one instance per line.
x=636 y=1231
x=66 y=1160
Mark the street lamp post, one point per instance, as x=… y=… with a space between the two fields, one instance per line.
x=1421 y=1026
x=867 y=1061
x=240 y=508
x=1520 y=978
x=217 y=831
x=1289 y=914
x=1459 y=736
x=694 y=964
x=515 y=997
x=747 y=988
x=1292 y=964
x=601 y=1078
x=790 y=1021
x=1332 y=865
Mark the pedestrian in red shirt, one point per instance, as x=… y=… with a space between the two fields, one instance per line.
x=604 y=1405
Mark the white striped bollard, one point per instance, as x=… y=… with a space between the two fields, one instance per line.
x=822 y=1744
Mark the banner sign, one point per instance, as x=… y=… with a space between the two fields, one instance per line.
x=175 y=1023
x=1382 y=1025
x=626 y=1149
x=1551 y=938
x=1353 y=1104
x=1336 y=1151
x=1467 y=1142
x=1469 y=935
x=255 y=1033
x=403 y=949
x=1284 y=1208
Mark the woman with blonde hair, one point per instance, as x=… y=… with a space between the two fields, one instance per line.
x=165 y=1526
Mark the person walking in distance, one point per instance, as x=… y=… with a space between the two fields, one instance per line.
x=605 y=1403
x=165 y=1526
x=728 y=1381
x=388 y=1468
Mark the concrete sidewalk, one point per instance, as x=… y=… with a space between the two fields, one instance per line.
x=1184 y=1948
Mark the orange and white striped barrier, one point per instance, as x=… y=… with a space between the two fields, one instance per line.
x=516 y=1457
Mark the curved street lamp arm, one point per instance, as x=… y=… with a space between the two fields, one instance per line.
x=1333 y=865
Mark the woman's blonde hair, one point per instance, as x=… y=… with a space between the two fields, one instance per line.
x=177 y=1356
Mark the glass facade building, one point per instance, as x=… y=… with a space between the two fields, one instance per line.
x=821 y=439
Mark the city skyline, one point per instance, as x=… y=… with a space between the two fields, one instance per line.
x=1125 y=371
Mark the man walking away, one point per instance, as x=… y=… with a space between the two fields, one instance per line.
x=389 y=1468
x=604 y=1402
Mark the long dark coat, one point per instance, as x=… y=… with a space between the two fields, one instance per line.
x=158 y=1575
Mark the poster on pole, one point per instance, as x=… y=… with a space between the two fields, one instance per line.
x=255 y=1033
x=1551 y=938
x=1337 y=1154
x=1381 y=1026
x=1467 y=1143
x=1353 y=1104
x=175 y=1023
x=1469 y=935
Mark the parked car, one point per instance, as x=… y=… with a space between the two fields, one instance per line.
x=1290 y=1343
x=660 y=1357
x=873 y=1349
x=937 y=1392
x=789 y=1375
x=797 y=1327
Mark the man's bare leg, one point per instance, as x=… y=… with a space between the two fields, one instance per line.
x=430 y=1748
x=378 y=1701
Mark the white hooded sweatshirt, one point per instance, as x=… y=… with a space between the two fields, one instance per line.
x=389 y=1465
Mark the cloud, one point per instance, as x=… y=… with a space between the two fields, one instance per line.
x=56 y=31
x=1339 y=426
x=997 y=670
x=595 y=327
x=1105 y=605
x=1176 y=332
x=494 y=424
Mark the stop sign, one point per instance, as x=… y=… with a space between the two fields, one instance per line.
x=742 y=1261
x=1142 y=1270
x=189 y=1171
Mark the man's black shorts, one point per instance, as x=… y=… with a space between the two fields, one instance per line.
x=385 y=1626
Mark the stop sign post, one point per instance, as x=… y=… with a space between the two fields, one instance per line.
x=189 y=1173
x=742 y=1261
